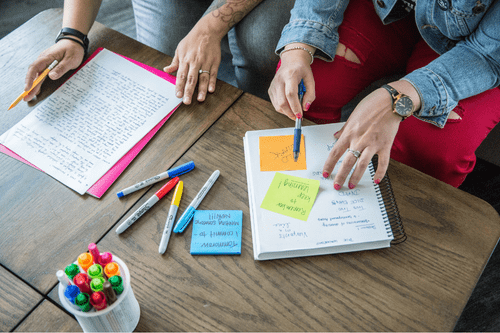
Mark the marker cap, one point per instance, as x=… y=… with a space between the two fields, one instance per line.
x=83 y=301
x=98 y=300
x=184 y=220
x=112 y=269
x=106 y=258
x=94 y=251
x=82 y=281
x=71 y=292
x=71 y=271
x=109 y=292
x=167 y=187
x=85 y=260
x=181 y=169
x=117 y=284
x=95 y=271
x=97 y=284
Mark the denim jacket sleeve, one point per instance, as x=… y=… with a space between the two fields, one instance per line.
x=315 y=22
x=471 y=67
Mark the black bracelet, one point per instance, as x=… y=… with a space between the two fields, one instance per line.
x=72 y=32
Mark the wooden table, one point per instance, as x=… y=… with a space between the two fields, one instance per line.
x=419 y=285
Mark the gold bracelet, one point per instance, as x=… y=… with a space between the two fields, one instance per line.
x=299 y=48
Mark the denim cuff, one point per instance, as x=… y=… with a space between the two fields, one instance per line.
x=311 y=33
x=436 y=104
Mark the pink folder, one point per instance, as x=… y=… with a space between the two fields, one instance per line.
x=102 y=185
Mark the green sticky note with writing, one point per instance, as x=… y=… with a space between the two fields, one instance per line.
x=291 y=196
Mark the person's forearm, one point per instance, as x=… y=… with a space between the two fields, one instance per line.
x=80 y=15
x=222 y=15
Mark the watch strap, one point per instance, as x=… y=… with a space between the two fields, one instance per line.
x=391 y=90
x=65 y=32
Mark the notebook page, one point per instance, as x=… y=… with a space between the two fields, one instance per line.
x=92 y=120
x=338 y=218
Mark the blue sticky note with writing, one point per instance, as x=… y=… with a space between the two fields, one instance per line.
x=216 y=232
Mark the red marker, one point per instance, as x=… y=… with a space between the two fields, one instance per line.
x=147 y=205
x=82 y=281
x=98 y=300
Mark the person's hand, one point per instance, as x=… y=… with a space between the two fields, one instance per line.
x=199 y=50
x=370 y=130
x=283 y=91
x=69 y=55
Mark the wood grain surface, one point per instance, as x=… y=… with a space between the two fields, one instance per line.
x=49 y=318
x=44 y=224
x=17 y=299
x=419 y=285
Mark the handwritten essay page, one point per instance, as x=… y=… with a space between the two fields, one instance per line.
x=339 y=221
x=78 y=133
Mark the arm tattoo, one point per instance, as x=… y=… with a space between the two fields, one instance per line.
x=231 y=11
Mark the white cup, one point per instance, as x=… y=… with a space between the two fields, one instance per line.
x=121 y=316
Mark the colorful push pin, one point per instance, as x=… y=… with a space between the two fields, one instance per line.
x=109 y=292
x=71 y=292
x=63 y=278
x=94 y=251
x=82 y=281
x=117 y=283
x=105 y=259
x=112 y=269
x=97 y=283
x=95 y=271
x=83 y=302
x=71 y=270
x=98 y=300
x=85 y=260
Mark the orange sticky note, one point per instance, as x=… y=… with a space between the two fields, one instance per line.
x=276 y=153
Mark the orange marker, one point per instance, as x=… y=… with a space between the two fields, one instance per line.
x=35 y=83
x=85 y=260
x=112 y=269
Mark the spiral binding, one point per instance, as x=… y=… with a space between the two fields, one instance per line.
x=385 y=196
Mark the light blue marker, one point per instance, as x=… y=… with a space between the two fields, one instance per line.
x=181 y=169
x=188 y=214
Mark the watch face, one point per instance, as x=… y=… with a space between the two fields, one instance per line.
x=404 y=106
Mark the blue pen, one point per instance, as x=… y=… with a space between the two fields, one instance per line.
x=181 y=169
x=189 y=212
x=297 y=132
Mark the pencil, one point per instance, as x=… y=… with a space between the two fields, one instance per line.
x=35 y=83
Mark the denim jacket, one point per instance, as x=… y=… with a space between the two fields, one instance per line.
x=466 y=34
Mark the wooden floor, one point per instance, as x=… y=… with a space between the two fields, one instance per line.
x=482 y=312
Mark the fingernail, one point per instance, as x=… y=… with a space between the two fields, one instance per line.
x=308 y=105
x=299 y=116
x=186 y=100
x=200 y=96
x=351 y=186
x=178 y=94
x=377 y=181
x=337 y=186
x=336 y=133
x=325 y=174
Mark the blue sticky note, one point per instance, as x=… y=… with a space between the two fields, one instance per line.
x=216 y=232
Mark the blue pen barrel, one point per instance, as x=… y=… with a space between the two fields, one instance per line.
x=296 y=139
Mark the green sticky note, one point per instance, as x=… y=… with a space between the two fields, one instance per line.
x=291 y=196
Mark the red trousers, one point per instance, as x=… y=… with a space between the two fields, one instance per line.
x=447 y=154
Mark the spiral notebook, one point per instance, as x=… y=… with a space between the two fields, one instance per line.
x=363 y=218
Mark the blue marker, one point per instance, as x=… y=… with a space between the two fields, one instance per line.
x=71 y=292
x=189 y=212
x=164 y=175
x=297 y=132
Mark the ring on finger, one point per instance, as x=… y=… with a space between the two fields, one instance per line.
x=356 y=153
x=201 y=71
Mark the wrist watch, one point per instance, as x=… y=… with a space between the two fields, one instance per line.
x=401 y=103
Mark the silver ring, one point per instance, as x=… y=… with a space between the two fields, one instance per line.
x=356 y=153
x=201 y=71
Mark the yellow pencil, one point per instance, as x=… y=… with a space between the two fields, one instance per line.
x=37 y=81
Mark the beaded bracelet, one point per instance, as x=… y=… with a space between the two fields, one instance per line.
x=299 y=48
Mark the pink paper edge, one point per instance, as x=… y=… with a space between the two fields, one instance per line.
x=105 y=182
